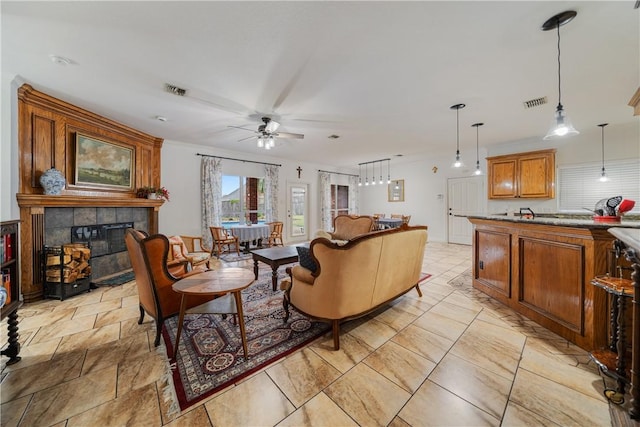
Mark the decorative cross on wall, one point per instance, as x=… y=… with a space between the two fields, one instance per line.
x=299 y=171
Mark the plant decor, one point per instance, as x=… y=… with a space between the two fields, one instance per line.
x=161 y=192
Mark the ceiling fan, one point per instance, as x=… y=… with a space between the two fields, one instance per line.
x=267 y=132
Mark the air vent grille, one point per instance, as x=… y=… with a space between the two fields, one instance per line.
x=535 y=102
x=175 y=89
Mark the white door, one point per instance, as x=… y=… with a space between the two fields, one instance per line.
x=465 y=197
x=297 y=224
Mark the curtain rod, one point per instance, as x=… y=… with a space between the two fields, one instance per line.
x=337 y=173
x=238 y=160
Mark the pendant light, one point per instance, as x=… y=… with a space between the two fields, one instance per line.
x=373 y=173
x=366 y=174
x=380 y=182
x=388 y=171
x=603 y=175
x=561 y=125
x=458 y=163
x=478 y=171
x=360 y=175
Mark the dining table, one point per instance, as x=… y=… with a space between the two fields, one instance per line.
x=390 y=222
x=250 y=233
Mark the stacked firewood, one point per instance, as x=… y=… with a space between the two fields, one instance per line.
x=74 y=260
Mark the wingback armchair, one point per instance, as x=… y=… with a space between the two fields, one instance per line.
x=148 y=255
x=346 y=227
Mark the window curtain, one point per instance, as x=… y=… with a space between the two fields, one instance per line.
x=354 y=206
x=325 y=200
x=271 y=192
x=211 y=191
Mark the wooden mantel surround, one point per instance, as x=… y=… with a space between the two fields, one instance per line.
x=47 y=133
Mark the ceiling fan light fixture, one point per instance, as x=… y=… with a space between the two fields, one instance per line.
x=260 y=142
x=272 y=142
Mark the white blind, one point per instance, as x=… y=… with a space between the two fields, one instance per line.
x=579 y=187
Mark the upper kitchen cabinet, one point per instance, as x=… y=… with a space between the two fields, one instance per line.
x=522 y=175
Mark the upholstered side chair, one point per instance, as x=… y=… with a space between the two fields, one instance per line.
x=189 y=248
x=148 y=255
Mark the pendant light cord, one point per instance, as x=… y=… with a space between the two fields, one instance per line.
x=559 y=91
x=457 y=130
x=602 y=127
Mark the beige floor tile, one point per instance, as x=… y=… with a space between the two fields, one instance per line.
x=440 y=325
x=393 y=317
x=319 y=411
x=373 y=333
x=257 y=402
x=45 y=318
x=131 y=300
x=302 y=375
x=41 y=376
x=516 y=415
x=411 y=303
x=115 y=352
x=462 y=300
x=557 y=402
x=88 y=339
x=98 y=307
x=11 y=412
x=424 y=343
x=71 y=398
x=118 y=315
x=554 y=367
x=138 y=407
x=491 y=347
x=130 y=327
x=432 y=405
x=139 y=371
x=196 y=417
x=34 y=354
x=63 y=328
x=474 y=384
x=352 y=351
x=455 y=312
x=403 y=367
x=368 y=397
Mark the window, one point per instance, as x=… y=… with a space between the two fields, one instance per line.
x=242 y=200
x=579 y=187
x=339 y=200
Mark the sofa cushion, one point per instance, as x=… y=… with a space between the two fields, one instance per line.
x=305 y=258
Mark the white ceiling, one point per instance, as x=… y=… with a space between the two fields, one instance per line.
x=381 y=75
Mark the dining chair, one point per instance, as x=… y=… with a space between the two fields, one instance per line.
x=221 y=238
x=275 y=234
x=396 y=216
x=406 y=219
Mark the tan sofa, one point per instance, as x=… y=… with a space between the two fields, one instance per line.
x=356 y=278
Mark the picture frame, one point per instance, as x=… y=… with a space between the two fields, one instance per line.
x=396 y=190
x=103 y=164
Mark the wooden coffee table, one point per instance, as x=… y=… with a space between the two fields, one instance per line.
x=224 y=282
x=275 y=257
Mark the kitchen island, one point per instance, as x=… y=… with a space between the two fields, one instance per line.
x=542 y=268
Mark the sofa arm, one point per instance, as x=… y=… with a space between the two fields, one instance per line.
x=299 y=273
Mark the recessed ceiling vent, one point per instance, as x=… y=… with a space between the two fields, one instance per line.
x=175 y=89
x=333 y=136
x=535 y=102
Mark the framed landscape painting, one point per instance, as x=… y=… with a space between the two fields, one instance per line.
x=103 y=164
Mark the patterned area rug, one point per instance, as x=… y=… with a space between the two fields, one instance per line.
x=210 y=355
x=234 y=257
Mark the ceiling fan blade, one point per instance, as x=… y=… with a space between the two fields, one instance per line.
x=238 y=127
x=244 y=139
x=289 y=135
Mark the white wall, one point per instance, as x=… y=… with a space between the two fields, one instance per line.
x=9 y=148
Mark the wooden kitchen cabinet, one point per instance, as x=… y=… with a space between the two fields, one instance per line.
x=522 y=175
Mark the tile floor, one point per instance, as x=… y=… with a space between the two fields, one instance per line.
x=452 y=357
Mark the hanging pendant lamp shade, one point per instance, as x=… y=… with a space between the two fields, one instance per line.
x=560 y=125
x=478 y=171
x=458 y=161
x=603 y=173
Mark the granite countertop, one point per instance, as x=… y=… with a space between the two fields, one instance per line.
x=566 y=220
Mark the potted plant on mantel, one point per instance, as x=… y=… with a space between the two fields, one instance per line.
x=159 y=193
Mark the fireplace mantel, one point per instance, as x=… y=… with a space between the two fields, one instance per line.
x=73 y=201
